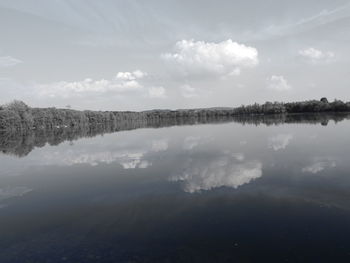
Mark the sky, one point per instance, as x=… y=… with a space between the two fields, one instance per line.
x=162 y=54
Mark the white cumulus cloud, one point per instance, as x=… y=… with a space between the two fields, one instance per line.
x=123 y=82
x=278 y=83
x=224 y=58
x=316 y=55
x=137 y=74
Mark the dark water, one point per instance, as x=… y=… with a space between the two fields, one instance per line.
x=223 y=192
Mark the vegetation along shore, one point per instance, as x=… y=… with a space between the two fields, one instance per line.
x=17 y=116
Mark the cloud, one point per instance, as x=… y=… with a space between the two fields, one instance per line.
x=224 y=58
x=128 y=76
x=307 y=24
x=123 y=82
x=280 y=142
x=188 y=92
x=316 y=55
x=129 y=154
x=157 y=92
x=144 y=164
x=319 y=166
x=160 y=145
x=226 y=170
x=11 y=192
x=238 y=156
x=278 y=83
x=191 y=142
x=126 y=158
x=136 y=163
x=7 y=62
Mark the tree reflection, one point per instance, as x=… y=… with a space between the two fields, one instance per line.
x=22 y=143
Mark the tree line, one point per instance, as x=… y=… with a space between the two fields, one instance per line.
x=17 y=116
x=22 y=143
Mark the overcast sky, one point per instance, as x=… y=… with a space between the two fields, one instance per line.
x=136 y=54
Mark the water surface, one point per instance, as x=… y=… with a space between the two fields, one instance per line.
x=223 y=192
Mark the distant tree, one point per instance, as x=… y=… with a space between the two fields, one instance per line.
x=17 y=105
x=10 y=120
x=18 y=116
x=338 y=105
x=23 y=111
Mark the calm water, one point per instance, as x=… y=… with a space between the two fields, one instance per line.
x=201 y=193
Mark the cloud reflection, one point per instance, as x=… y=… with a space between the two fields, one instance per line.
x=160 y=145
x=280 y=141
x=191 y=142
x=127 y=159
x=319 y=166
x=11 y=192
x=230 y=170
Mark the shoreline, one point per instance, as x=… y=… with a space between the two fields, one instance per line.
x=17 y=116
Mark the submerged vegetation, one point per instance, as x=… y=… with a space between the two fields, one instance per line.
x=17 y=116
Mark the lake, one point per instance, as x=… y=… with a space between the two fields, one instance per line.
x=230 y=191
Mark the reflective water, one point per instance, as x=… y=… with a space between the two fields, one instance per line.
x=223 y=192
